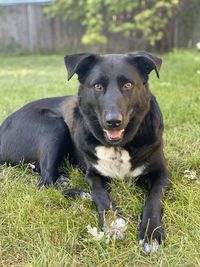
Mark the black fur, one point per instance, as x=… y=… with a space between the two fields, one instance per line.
x=46 y=130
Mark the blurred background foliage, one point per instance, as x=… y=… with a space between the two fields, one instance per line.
x=98 y=25
x=147 y=18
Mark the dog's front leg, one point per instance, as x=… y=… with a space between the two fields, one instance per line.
x=116 y=225
x=150 y=229
x=100 y=194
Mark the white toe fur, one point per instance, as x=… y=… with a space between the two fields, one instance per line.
x=85 y=195
x=149 y=248
x=118 y=229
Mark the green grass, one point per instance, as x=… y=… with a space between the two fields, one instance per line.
x=43 y=229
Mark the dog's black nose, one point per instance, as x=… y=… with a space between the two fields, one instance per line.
x=113 y=119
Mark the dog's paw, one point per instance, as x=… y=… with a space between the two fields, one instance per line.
x=62 y=181
x=85 y=195
x=77 y=193
x=116 y=229
x=149 y=247
x=150 y=237
x=45 y=184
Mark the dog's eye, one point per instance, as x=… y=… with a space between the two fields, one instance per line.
x=128 y=86
x=98 y=87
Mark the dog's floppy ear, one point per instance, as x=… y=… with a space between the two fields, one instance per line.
x=79 y=64
x=146 y=62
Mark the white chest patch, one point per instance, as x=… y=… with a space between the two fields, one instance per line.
x=115 y=163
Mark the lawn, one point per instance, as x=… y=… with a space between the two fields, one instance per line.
x=43 y=229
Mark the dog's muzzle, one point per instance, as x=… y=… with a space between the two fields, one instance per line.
x=112 y=122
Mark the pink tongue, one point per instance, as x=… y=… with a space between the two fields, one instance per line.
x=114 y=134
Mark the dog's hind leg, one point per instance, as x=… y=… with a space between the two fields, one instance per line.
x=54 y=145
x=49 y=164
x=51 y=156
x=48 y=169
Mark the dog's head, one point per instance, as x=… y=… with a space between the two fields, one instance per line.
x=113 y=93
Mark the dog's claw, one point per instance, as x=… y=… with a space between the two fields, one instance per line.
x=149 y=248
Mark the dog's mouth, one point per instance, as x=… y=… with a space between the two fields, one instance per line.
x=114 y=135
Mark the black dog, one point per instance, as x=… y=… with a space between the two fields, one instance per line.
x=113 y=128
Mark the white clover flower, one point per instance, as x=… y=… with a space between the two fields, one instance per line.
x=94 y=232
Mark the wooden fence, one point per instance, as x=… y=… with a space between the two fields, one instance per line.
x=25 y=27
